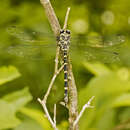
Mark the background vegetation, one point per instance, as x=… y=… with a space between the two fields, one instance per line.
x=22 y=80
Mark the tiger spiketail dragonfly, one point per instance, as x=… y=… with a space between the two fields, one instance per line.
x=91 y=48
x=33 y=45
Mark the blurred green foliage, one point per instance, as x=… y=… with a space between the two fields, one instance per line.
x=23 y=81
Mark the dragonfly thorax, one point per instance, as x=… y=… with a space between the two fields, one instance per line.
x=64 y=40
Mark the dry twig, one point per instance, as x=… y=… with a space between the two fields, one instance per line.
x=54 y=114
x=51 y=16
x=43 y=102
x=73 y=101
x=72 y=87
x=87 y=105
x=66 y=18
x=51 y=83
x=47 y=114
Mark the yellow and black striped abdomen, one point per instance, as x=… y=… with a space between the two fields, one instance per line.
x=65 y=77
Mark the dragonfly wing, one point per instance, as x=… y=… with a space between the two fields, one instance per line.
x=98 y=41
x=32 y=52
x=102 y=48
x=28 y=35
x=103 y=55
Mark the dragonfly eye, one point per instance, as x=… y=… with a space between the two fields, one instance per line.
x=61 y=31
x=68 y=31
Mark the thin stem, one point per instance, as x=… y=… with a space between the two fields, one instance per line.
x=54 y=114
x=47 y=114
x=87 y=105
x=66 y=18
x=56 y=59
x=51 y=83
x=51 y=16
x=73 y=101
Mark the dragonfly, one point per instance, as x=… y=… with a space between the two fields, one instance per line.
x=92 y=48
x=64 y=44
x=39 y=46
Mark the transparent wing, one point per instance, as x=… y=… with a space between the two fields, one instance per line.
x=31 y=52
x=82 y=40
x=28 y=35
x=104 y=55
x=90 y=48
x=105 y=49
x=99 y=41
x=37 y=46
x=47 y=52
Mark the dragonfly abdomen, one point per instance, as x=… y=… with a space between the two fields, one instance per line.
x=65 y=77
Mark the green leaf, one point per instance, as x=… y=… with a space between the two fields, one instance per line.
x=19 y=98
x=122 y=101
x=107 y=121
x=29 y=124
x=97 y=68
x=106 y=88
x=38 y=116
x=9 y=106
x=102 y=87
x=8 y=74
x=7 y=116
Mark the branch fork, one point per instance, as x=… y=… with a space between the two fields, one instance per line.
x=87 y=105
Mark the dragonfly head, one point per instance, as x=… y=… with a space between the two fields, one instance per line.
x=64 y=35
